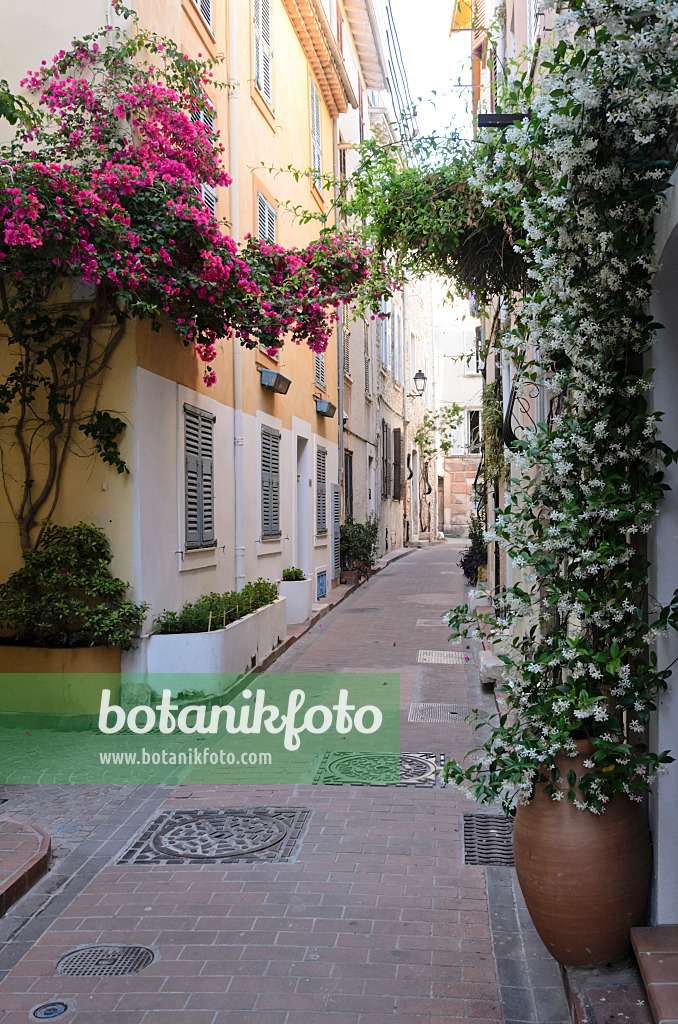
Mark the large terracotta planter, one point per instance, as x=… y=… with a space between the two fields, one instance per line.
x=584 y=876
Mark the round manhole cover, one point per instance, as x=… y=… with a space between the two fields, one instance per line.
x=48 y=1011
x=104 y=959
x=220 y=835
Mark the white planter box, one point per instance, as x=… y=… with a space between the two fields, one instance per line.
x=236 y=649
x=298 y=596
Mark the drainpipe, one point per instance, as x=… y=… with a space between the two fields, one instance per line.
x=434 y=371
x=238 y=437
x=403 y=453
x=340 y=333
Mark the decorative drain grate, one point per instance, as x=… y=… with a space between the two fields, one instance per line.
x=379 y=769
x=219 y=835
x=441 y=713
x=488 y=839
x=354 y=611
x=431 y=622
x=105 y=960
x=442 y=657
x=48 y=1011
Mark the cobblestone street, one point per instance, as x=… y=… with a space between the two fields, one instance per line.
x=363 y=912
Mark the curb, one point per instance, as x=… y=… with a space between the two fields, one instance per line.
x=20 y=881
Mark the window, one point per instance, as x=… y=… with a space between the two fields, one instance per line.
x=205 y=8
x=263 y=55
x=383 y=333
x=473 y=429
x=207 y=193
x=348 y=483
x=266 y=219
x=199 y=477
x=316 y=137
x=366 y=346
x=397 y=456
x=321 y=491
x=270 y=482
x=320 y=369
x=346 y=339
x=472 y=352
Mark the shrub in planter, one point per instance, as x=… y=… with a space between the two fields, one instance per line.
x=66 y=596
x=215 y=611
x=293 y=575
x=359 y=542
x=474 y=557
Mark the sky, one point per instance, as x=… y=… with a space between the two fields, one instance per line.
x=435 y=62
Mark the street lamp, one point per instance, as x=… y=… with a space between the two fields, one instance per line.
x=419 y=384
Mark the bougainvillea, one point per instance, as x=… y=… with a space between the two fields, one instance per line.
x=576 y=627
x=101 y=202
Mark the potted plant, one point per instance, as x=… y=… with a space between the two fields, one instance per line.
x=65 y=620
x=297 y=589
x=474 y=557
x=358 y=543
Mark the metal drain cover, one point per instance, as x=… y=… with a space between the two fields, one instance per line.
x=441 y=713
x=345 y=767
x=105 y=959
x=442 y=657
x=488 y=839
x=219 y=836
x=48 y=1011
x=431 y=622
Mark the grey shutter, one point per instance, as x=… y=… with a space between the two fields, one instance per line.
x=384 y=451
x=192 y=477
x=270 y=482
x=397 y=455
x=321 y=495
x=389 y=462
x=207 y=479
x=336 y=524
x=205 y=8
x=320 y=369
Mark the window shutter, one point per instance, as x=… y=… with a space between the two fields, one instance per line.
x=321 y=498
x=389 y=460
x=336 y=526
x=320 y=369
x=209 y=198
x=384 y=453
x=205 y=8
x=397 y=456
x=366 y=347
x=266 y=219
x=263 y=56
x=207 y=193
x=192 y=483
x=270 y=482
x=199 y=473
x=316 y=136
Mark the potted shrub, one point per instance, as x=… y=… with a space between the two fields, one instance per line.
x=358 y=543
x=65 y=620
x=474 y=558
x=217 y=635
x=297 y=590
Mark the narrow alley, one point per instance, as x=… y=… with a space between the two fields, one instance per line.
x=358 y=907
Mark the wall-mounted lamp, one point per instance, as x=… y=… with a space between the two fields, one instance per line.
x=419 y=384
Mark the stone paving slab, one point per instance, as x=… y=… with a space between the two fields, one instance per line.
x=24 y=856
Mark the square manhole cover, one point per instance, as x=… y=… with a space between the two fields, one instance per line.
x=219 y=836
x=487 y=839
x=441 y=713
x=345 y=767
x=442 y=657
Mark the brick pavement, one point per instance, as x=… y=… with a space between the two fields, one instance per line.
x=374 y=918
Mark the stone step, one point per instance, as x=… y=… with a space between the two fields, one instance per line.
x=491 y=668
x=24 y=857
x=656 y=951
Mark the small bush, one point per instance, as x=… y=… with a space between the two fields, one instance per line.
x=359 y=542
x=66 y=596
x=474 y=556
x=214 y=611
x=293 y=575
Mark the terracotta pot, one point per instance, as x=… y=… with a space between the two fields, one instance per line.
x=585 y=877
